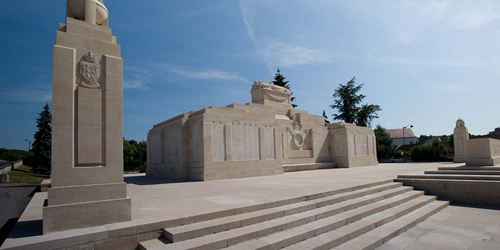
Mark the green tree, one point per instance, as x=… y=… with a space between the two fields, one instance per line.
x=9 y=155
x=326 y=118
x=366 y=114
x=384 y=143
x=346 y=100
x=134 y=155
x=279 y=80
x=43 y=142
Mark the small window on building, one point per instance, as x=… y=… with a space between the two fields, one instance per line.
x=411 y=142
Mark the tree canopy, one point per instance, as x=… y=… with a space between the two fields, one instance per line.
x=385 y=148
x=43 y=142
x=134 y=156
x=279 y=80
x=346 y=102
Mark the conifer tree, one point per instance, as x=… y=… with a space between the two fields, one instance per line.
x=326 y=118
x=346 y=102
x=43 y=142
x=279 y=80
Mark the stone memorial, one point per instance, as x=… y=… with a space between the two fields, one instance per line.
x=460 y=138
x=87 y=129
x=264 y=137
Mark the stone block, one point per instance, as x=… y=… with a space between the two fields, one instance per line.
x=114 y=64
x=87 y=214
x=123 y=243
x=87 y=193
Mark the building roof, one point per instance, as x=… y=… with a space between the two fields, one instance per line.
x=398 y=133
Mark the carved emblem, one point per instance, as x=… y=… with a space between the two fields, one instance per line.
x=90 y=71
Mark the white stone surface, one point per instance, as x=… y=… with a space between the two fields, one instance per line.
x=460 y=138
x=87 y=130
x=252 y=140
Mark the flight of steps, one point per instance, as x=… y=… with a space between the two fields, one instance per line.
x=473 y=185
x=360 y=218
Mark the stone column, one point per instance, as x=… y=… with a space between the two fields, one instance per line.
x=460 y=138
x=87 y=129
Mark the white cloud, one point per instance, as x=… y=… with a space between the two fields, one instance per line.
x=28 y=96
x=248 y=11
x=281 y=54
x=276 y=53
x=208 y=74
x=137 y=78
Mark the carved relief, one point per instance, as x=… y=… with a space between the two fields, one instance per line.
x=271 y=86
x=298 y=135
x=90 y=71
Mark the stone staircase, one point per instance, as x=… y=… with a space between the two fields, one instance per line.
x=466 y=185
x=362 y=217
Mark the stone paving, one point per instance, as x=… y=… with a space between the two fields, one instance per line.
x=455 y=227
x=155 y=198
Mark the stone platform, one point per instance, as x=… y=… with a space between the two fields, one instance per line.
x=156 y=205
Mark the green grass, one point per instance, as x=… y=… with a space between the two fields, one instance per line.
x=23 y=174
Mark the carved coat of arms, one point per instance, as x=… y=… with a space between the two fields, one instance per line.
x=89 y=71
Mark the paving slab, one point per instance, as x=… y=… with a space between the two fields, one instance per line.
x=455 y=227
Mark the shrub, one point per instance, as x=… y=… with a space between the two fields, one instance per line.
x=435 y=152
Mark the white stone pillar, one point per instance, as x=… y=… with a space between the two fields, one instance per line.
x=87 y=130
x=460 y=138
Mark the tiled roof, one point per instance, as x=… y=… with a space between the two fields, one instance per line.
x=398 y=133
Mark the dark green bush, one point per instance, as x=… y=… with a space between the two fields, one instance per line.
x=435 y=152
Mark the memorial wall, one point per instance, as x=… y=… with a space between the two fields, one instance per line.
x=254 y=139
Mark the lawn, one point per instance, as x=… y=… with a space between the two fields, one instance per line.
x=23 y=174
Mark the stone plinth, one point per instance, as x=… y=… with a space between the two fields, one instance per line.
x=352 y=146
x=271 y=95
x=460 y=138
x=483 y=152
x=87 y=128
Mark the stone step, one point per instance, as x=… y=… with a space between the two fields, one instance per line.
x=345 y=226
x=233 y=211
x=322 y=221
x=194 y=230
x=449 y=176
x=384 y=233
x=473 y=192
x=469 y=172
x=375 y=225
x=483 y=168
x=308 y=166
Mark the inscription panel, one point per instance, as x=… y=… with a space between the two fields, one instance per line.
x=172 y=143
x=89 y=129
x=155 y=148
x=218 y=143
x=245 y=142
x=269 y=144
x=351 y=145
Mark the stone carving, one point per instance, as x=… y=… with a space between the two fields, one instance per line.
x=298 y=136
x=90 y=71
x=271 y=86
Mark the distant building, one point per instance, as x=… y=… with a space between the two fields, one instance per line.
x=399 y=139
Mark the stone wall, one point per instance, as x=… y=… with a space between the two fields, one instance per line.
x=483 y=152
x=254 y=139
x=352 y=146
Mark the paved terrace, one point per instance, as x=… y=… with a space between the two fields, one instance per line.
x=154 y=199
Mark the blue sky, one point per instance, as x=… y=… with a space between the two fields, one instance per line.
x=426 y=63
